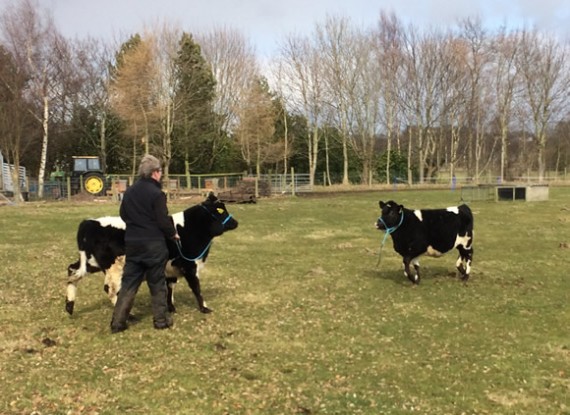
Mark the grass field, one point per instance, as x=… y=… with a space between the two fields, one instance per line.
x=304 y=321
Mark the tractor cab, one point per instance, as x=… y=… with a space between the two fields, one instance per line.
x=87 y=174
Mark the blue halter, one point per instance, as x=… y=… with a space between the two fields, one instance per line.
x=390 y=230
x=179 y=244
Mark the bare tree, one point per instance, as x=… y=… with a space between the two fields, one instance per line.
x=165 y=43
x=543 y=63
x=505 y=48
x=454 y=93
x=421 y=93
x=478 y=102
x=302 y=73
x=336 y=40
x=92 y=69
x=389 y=56
x=13 y=110
x=30 y=35
x=256 y=128
x=234 y=67
x=365 y=104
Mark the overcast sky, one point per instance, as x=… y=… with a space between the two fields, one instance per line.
x=265 y=22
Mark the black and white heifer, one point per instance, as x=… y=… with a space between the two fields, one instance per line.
x=432 y=232
x=101 y=244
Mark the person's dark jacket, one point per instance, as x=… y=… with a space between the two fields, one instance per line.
x=145 y=212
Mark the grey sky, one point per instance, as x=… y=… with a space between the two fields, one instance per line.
x=264 y=22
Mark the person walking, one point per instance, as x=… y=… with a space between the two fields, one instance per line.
x=145 y=213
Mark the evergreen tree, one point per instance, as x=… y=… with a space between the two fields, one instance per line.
x=197 y=143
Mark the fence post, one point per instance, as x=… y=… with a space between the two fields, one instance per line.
x=292 y=181
x=68 y=184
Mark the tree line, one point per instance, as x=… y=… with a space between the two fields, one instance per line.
x=343 y=103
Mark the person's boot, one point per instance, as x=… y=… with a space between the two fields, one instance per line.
x=161 y=317
x=165 y=323
x=122 y=312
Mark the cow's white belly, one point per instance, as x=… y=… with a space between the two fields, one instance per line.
x=431 y=251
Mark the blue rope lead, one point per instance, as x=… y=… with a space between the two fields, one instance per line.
x=179 y=245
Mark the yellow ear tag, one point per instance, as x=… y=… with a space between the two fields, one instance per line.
x=220 y=210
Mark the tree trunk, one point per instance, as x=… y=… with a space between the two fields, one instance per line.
x=344 y=160
x=103 y=142
x=43 y=155
x=313 y=154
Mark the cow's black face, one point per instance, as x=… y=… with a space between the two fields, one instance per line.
x=391 y=215
x=223 y=220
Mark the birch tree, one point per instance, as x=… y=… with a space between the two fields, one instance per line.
x=30 y=35
x=301 y=71
x=234 y=66
x=505 y=48
x=389 y=55
x=421 y=93
x=337 y=46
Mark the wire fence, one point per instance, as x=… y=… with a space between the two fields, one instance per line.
x=180 y=185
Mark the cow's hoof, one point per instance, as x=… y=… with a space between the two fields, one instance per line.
x=205 y=310
x=171 y=309
x=465 y=277
x=69 y=306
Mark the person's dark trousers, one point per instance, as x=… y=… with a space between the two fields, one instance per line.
x=148 y=260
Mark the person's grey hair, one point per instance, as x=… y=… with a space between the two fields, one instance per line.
x=148 y=165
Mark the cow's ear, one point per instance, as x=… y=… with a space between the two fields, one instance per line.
x=382 y=204
x=400 y=208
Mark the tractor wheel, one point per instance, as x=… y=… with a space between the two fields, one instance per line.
x=94 y=184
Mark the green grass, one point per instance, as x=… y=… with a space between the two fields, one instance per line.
x=304 y=320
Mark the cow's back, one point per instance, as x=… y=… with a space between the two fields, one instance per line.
x=441 y=227
x=102 y=241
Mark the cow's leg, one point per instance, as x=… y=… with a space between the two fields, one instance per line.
x=191 y=274
x=170 y=283
x=173 y=272
x=413 y=277
x=464 y=260
x=113 y=278
x=73 y=277
x=416 y=263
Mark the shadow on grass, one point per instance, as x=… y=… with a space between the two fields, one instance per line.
x=102 y=307
x=431 y=274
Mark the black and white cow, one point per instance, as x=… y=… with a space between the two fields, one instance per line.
x=432 y=232
x=101 y=244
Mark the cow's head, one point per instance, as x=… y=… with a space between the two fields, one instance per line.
x=391 y=216
x=223 y=220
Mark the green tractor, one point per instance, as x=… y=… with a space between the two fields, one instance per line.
x=85 y=174
x=88 y=175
